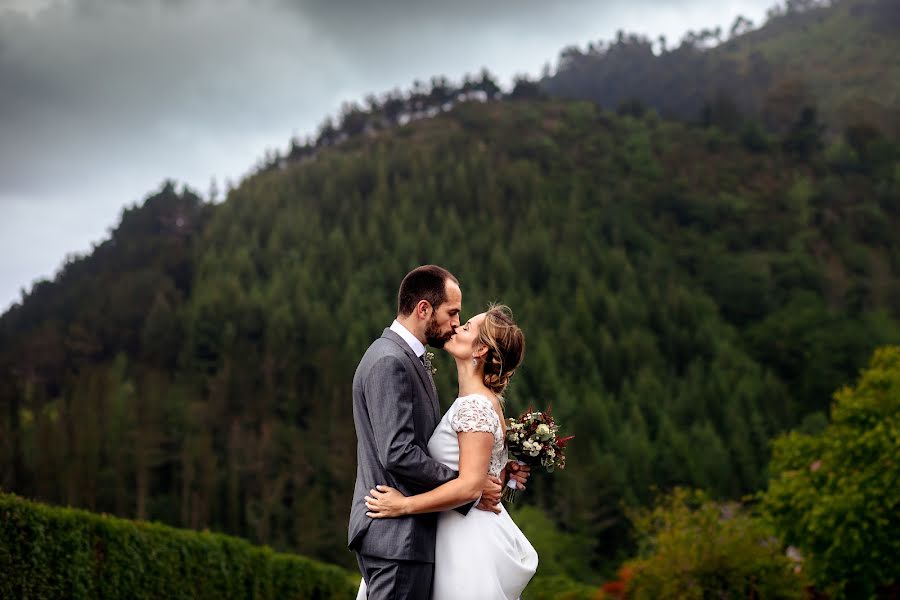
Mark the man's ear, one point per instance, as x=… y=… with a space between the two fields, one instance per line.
x=423 y=309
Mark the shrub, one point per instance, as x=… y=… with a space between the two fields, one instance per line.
x=48 y=552
x=559 y=587
x=696 y=548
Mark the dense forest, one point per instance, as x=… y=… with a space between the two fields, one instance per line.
x=687 y=292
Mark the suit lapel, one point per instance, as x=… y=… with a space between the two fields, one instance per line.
x=425 y=376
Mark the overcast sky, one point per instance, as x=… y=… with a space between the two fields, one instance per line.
x=102 y=100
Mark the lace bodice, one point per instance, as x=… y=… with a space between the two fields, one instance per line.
x=467 y=414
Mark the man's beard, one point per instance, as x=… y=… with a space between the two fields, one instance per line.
x=433 y=336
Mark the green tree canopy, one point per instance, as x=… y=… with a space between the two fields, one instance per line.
x=836 y=495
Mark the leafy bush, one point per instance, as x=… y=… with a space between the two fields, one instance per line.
x=835 y=495
x=559 y=587
x=560 y=552
x=696 y=548
x=48 y=553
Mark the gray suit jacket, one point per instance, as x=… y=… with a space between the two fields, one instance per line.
x=395 y=410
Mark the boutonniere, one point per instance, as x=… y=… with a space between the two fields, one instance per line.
x=426 y=360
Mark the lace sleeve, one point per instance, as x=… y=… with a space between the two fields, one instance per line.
x=474 y=413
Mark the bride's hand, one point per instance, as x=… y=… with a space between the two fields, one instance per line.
x=518 y=473
x=384 y=501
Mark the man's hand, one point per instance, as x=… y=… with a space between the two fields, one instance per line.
x=490 y=497
x=518 y=473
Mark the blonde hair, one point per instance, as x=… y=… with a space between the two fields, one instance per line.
x=505 y=344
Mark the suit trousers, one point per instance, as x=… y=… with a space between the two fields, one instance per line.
x=392 y=579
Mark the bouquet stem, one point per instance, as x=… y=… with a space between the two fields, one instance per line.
x=511 y=489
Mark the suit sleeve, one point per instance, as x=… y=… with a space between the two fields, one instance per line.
x=389 y=399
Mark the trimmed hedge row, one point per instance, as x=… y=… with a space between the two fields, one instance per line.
x=48 y=552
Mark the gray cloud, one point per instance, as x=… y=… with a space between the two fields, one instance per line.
x=100 y=101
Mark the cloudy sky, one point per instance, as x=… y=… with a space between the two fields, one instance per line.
x=102 y=100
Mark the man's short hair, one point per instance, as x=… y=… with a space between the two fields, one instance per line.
x=428 y=282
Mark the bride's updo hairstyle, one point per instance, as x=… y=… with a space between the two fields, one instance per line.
x=506 y=347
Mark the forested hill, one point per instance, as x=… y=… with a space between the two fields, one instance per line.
x=685 y=294
x=836 y=57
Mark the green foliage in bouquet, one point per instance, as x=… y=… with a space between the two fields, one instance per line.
x=694 y=548
x=48 y=553
x=836 y=495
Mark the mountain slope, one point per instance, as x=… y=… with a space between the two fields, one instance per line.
x=685 y=294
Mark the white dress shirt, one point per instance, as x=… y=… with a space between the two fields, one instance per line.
x=417 y=347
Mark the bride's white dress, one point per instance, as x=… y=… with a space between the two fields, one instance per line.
x=480 y=556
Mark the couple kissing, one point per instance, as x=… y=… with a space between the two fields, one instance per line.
x=426 y=519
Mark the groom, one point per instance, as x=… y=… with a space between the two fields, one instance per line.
x=395 y=410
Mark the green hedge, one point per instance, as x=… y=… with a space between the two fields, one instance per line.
x=48 y=552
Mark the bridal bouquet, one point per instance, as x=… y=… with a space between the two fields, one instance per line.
x=533 y=439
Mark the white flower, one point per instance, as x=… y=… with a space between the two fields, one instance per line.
x=426 y=360
x=532 y=448
x=543 y=430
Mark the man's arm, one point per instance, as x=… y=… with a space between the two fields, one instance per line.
x=390 y=405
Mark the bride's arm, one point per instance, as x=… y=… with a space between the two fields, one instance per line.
x=474 y=459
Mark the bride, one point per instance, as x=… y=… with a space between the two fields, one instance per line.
x=480 y=556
